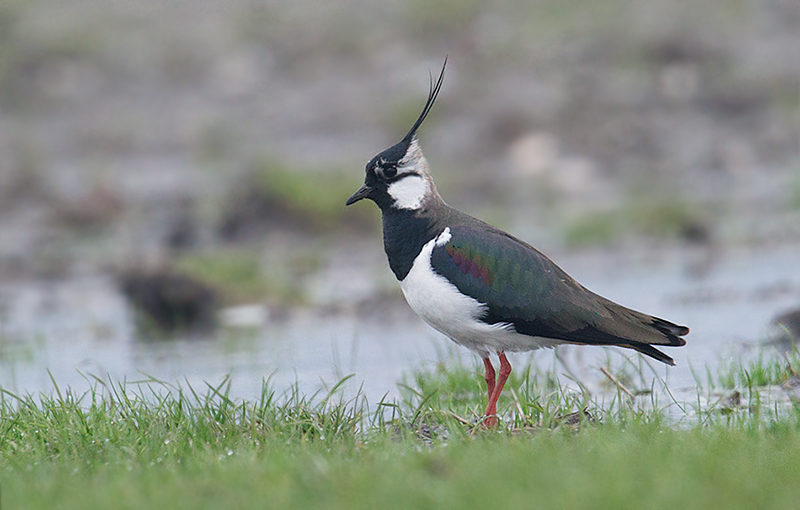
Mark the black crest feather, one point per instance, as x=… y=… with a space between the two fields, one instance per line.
x=434 y=91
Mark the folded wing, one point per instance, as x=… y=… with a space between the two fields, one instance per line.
x=522 y=287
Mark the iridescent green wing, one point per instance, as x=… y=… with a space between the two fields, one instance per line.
x=521 y=286
x=511 y=277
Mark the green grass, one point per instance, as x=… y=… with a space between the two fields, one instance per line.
x=759 y=372
x=297 y=193
x=148 y=444
x=607 y=468
x=652 y=216
x=241 y=276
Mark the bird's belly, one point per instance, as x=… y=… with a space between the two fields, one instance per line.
x=440 y=304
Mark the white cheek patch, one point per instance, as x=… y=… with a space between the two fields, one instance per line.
x=408 y=192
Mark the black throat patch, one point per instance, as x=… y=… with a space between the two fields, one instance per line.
x=405 y=232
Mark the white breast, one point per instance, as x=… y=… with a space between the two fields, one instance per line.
x=456 y=315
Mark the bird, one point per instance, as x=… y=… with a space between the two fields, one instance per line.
x=482 y=287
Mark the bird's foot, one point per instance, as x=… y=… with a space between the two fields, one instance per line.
x=490 y=422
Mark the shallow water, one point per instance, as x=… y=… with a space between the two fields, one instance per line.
x=75 y=330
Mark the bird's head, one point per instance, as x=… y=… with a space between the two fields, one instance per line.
x=399 y=176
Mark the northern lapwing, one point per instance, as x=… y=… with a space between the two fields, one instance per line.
x=483 y=288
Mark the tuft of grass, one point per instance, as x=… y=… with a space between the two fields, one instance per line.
x=152 y=422
x=276 y=196
x=596 y=229
x=456 y=391
x=659 y=218
x=240 y=276
x=760 y=372
x=314 y=198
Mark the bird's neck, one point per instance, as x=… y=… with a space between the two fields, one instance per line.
x=405 y=232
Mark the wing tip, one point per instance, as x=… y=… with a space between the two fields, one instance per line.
x=673 y=332
x=651 y=351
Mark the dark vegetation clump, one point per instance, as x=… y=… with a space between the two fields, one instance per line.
x=170 y=301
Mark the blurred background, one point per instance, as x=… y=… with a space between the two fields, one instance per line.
x=173 y=177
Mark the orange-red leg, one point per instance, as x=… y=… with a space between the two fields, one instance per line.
x=489 y=376
x=491 y=409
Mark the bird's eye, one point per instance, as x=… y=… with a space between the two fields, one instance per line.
x=389 y=172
